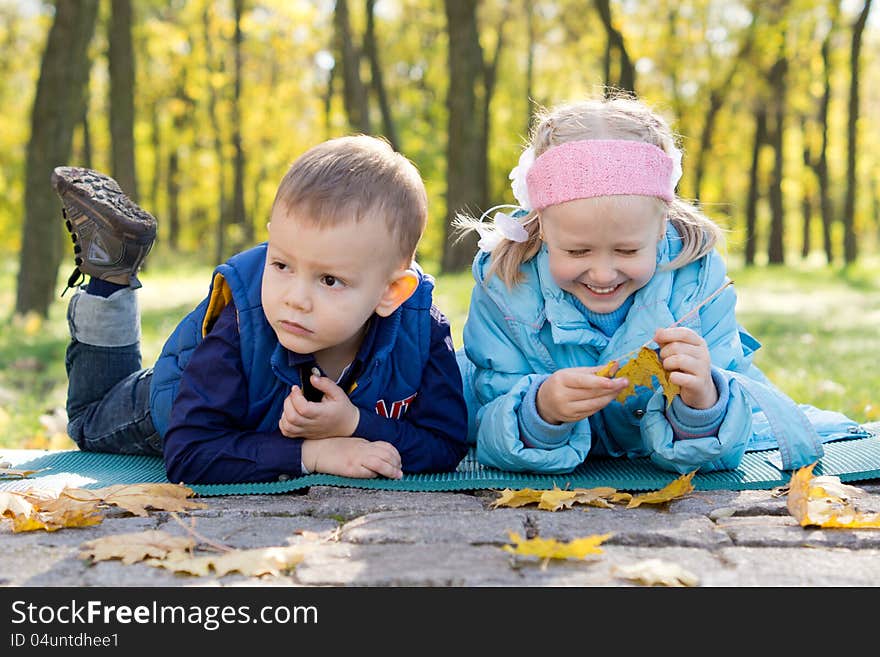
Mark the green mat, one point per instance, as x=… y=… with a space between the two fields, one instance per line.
x=851 y=460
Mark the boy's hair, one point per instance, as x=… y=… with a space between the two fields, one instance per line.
x=616 y=117
x=355 y=178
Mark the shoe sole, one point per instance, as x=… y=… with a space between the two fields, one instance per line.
x=100 y=197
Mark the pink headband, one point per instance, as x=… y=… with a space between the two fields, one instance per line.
x=600 y=167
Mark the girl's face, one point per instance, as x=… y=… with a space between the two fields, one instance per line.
x=603 y=249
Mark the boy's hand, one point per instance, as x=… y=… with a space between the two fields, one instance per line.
x=352 y=457
x=334 y=415
x=685 y=355
x=573 y=393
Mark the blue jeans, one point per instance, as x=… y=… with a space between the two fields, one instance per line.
x=108 y=394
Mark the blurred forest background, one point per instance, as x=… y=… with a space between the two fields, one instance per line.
x=197 y=107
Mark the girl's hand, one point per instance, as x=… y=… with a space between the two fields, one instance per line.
x=685 y=355
x=333 y=416
x=573 y=393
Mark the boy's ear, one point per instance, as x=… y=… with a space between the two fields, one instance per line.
x=400 y=288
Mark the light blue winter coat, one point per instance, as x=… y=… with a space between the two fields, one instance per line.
x=515 y=338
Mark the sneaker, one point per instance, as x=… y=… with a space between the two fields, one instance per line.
x=111 y=235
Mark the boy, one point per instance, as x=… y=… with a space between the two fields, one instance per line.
x=317 y=351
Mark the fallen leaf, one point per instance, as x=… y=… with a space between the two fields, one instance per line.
x=557 y=498
x=14 y=504
x=824 y=501
x=674 y=489
x=550 y=548
x=641 y=371
x=7 y=471
x=136 y=498
x=79 y=515
x=652 y=572
x=255 y=562
x=517 y=498
x=136 y=546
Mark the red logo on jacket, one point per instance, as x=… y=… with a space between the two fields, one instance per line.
x=398 y=408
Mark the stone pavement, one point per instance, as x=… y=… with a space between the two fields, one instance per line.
x=375 y=538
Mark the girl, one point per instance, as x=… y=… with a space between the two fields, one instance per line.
x=601 y=258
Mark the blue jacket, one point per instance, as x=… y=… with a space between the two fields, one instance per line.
x=515 y=338
x=409 y=390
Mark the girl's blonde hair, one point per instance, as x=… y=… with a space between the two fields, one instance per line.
x=616 y=117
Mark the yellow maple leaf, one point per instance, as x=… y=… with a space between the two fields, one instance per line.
x=136 y=546
x=136 y=498
x=609 y=369
x=824 y=501
x=517 y=498
x=254 y=562
x=652 y=572
x=674 y=489
x=550 y=548
x=641 y=371
x=557 y=498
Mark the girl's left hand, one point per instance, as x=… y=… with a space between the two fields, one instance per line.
x=685 y=355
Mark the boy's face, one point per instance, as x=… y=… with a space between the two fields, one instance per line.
x=602 y=251
x=321 y=285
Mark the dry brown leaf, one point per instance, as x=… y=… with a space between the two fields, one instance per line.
x=8 y=472
x=550 y=548
x=652 y=572
x=256 y=562
x=39 y=509
x=137 y=498
x=14 y=504
x=674 y=489
x=824 y=501
x=641 y=371
x=59 y=517
x=136 y=546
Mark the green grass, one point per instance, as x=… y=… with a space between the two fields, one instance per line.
x=818 y=327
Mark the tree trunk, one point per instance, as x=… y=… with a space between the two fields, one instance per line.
x=121 y=66
x=156 y=143
x=717 y=97
x=220 y=240
x=377 y=81
x=86 y=153
x=353 y=91
x=627 y=78
x=807 y=193
x=58 y=103
x=173 y=193
x=850 y=249
x=776 y=242
x=530 y=65
x=754 y=184
x=820 y=165
x=463 y=183
x=490 y=76
x=239 y=216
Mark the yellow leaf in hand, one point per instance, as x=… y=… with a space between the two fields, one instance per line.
x=674 y=489
x=136 y=546
x=550 y=548
x=641 y=371
x=826 y=502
